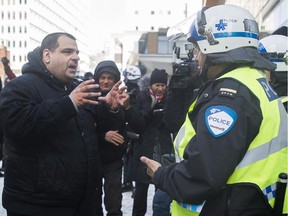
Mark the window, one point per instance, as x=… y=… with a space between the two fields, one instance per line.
x=136 y=12
x=152 y=28
x=164 y=47
x=169 y=12
x=136 y=28
x=152 y=12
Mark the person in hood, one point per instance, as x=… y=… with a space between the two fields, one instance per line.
x=49 y=121
x=233 y=144
x=112 y=145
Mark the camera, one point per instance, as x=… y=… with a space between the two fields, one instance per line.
x=132 y=135
x=187 y=66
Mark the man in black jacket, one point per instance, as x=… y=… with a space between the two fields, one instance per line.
x=112 y=134
x=49 y=121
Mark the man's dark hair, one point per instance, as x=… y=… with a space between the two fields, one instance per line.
x=51 y=41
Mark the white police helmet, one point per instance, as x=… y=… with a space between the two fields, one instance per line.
x=223 y=28
x=132 y=73
x=275 y=48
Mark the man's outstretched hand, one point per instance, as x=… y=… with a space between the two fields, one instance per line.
x=83 y=93
x=115 y=97
x=152 y=165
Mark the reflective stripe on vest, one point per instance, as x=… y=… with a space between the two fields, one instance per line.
x=195 y=208
x=268 y=151
x=284 y=99
x=183 y=136
x=185 y=133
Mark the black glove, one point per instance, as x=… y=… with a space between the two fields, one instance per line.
x=5 y=61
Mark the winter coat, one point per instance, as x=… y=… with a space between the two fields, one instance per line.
x=154 y=134
x=52 y=155
x=109 y=152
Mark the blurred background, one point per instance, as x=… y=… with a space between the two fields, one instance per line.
x=126 y=31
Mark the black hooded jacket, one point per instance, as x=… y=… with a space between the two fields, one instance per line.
x=52 y=154
x=109 y=152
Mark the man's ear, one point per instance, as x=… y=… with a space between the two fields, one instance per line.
x=46 y=56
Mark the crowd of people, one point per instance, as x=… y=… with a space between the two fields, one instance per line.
x=212 y=146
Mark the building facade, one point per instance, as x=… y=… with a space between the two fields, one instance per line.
x=146 y=23
x=24 y=23
x=145 y=40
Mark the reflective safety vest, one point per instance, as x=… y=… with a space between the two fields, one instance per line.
x=268 y=152
x=284 y=99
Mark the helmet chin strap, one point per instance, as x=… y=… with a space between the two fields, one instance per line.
x=204 y=72
x=208 y=64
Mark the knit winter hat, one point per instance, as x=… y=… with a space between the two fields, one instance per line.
x=159 y=76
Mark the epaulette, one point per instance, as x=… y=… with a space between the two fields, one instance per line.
x=228 y=92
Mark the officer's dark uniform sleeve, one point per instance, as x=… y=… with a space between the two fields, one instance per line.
x=209 y=160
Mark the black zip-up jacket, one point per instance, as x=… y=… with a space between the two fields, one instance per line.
x=110 y=153
x=52 y=155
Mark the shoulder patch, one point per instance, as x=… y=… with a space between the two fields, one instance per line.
x=220 y=119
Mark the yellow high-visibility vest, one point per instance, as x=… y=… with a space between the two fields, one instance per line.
x=268 y=152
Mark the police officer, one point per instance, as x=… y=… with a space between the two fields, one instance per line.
x=275 y=48
x=233 y=143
